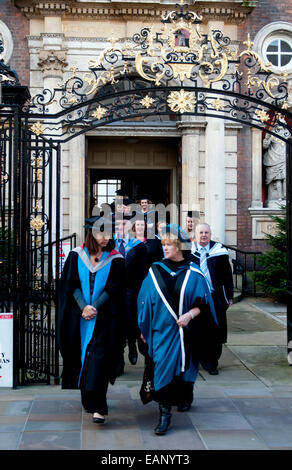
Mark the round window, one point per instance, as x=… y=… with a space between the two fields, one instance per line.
x=6 y=43
x=279 y=52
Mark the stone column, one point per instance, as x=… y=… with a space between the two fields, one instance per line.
x=256 y=168
x=215 y=178
x=190 y=167
x=215 y=167
x=52 y=62
x=76 y=157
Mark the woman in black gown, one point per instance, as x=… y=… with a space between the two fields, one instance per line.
x=91 y=323
x=153 y=244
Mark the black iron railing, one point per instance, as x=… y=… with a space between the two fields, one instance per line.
x=38 y=350
x=244 y=263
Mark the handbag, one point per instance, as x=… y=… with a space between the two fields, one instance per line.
x=147 y=387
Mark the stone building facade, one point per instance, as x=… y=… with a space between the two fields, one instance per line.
x=210 y=166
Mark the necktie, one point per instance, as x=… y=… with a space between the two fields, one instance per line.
x=203 y=265
x=122 y=248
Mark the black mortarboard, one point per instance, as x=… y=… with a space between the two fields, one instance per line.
x=128 y=201
x=121 y=192
x=144 y=196
x=99 y=223
x=90 y=221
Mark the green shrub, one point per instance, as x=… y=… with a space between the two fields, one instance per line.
x=273 y=276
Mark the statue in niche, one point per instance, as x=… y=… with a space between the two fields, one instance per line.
x=182 y=38
x=274 y=161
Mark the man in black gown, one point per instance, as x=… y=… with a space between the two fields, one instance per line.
x=213 y=259
x=135 y=254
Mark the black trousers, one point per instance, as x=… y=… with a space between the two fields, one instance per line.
x=132 y=332
x=211 y=356
x=95 y=402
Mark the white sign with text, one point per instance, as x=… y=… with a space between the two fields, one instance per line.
x=6 y=349
x=64 y=251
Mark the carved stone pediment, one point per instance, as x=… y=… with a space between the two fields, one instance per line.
x=229 y=11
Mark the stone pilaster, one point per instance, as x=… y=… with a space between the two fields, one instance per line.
x=215 y=178
x=256 y=169
x=76 y=161
x=215 y=167
x=190 y=166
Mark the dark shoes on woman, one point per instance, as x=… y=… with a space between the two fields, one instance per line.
x=184 y=407
x=164 y=420
x=133 y=354
x=98 y=420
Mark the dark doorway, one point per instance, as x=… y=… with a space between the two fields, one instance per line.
x=136 y=183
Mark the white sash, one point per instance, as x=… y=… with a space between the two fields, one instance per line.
x=171 y=311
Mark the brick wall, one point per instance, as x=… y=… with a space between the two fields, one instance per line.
x=19 y=28
x=244 y=194
x=266 y=12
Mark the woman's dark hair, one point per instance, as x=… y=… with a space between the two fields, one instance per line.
x=93 y=246
x=110 y=246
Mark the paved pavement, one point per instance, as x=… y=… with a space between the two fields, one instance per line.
x=248 y=406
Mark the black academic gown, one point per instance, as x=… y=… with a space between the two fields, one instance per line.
x=106 y=346
x=154 y=251
x=136 y=270
x=222 y=281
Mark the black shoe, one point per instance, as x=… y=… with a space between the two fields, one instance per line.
x=164 y=420
x=184 y=407
x=98 y=420
x=133 y=354
x=213 y=371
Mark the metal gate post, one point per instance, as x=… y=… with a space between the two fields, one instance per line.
x=289 y=246
x=58 y=246
x=16 y=171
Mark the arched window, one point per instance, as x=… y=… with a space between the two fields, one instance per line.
x=6 y=43
x=278 y=51
x=274 y=44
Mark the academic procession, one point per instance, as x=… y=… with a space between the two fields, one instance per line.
x=145 y=159
x=153 y=345
x=141 y=286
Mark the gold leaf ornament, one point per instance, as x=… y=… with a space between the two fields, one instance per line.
x=37 y=223
x=182 y=101
x=147 y=102
x=99 y=112
x=262 y=115
x=217 y=104
x=37 y=128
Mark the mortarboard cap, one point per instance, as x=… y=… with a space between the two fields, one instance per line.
x=99 y=223
x=121 y=192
